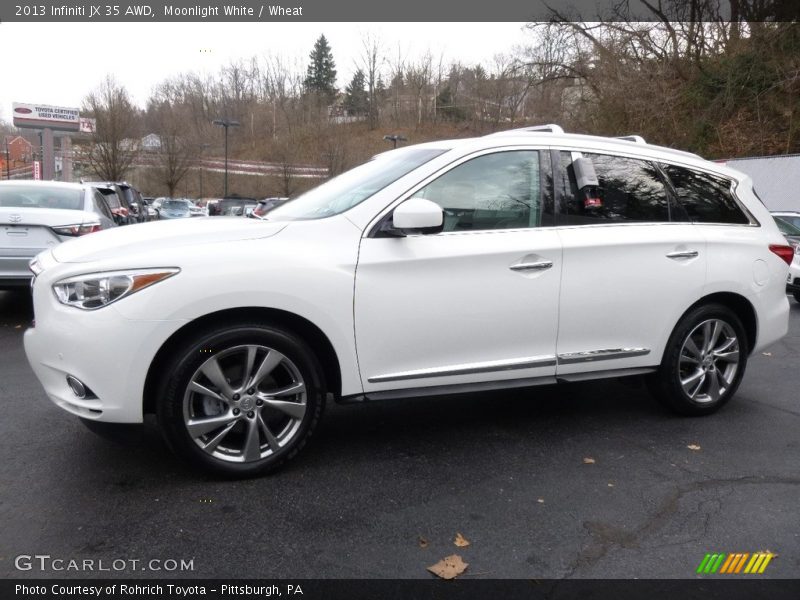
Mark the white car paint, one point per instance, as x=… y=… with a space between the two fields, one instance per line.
x=411 y=312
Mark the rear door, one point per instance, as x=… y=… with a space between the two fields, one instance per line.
x=633 y=263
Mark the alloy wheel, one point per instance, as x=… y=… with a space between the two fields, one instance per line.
x=245 y=403
x=708 y=361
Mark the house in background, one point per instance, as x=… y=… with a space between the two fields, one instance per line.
x=17 y=150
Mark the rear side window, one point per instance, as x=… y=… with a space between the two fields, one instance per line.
x=706 y=198
x=629 y=190
x=101 y=205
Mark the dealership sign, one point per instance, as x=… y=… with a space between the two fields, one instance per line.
x=41 y=116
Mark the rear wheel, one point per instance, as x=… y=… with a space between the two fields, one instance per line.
x=704 y=361
x=241 y=401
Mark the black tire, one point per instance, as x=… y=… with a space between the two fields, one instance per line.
x=227 y=347
x=796 y=296
x=704 y=368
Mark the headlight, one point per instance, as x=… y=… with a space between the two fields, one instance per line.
x=96 y=290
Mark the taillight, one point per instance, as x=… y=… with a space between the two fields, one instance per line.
x=785 y=253
x=77 y=230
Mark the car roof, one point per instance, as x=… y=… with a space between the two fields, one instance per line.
x=553 y=135
x=55 y=184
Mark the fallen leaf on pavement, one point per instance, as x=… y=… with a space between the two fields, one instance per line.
x=461 y=541
x=588 y=460
x=610 y=485
x=449 y=567
x=540 y=500
x=18 y=327
x=693 y=447
x=767 y=353
x=423 y=543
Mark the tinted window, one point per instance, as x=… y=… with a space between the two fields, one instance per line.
x=706 y=198
x=111 y=197
x=494 y=191
x=101 y=206
x=628 y=190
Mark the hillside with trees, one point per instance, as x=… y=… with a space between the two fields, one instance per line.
x=688 y=78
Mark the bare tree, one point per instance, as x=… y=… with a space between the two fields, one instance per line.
x=114 y=145
x=371 y=63
x=169 y=122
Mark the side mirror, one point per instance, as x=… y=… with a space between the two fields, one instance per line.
x=418 y=215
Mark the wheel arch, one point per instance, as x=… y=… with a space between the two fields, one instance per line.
x=308 y=331
x=740 y=305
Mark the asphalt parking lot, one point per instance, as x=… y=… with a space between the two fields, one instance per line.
x=582 y=481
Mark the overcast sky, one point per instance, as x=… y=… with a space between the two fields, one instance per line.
x=59 y=63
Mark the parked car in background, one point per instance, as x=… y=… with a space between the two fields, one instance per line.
x=789 y=231
x=134 y=199
x=234 y=206
x=123 y=211
x=175 y=208
x=266 y=205
x=793 y=218
x=37 y=215
x=197 y=211
x=211 y=206
x=151 y=210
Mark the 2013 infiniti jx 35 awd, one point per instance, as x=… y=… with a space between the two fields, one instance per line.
x=511 y=260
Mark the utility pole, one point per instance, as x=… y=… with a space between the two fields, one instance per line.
x=226 y=123
x=8 y=160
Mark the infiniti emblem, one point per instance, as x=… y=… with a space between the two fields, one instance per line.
x=15 y=218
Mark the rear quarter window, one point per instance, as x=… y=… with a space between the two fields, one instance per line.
x=706 y=198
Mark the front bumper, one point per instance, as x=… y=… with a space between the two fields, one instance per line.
x=106 y=351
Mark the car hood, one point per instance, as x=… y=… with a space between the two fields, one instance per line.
x=49 y=217
x=161 y=236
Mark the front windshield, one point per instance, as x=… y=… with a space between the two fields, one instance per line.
x=353 y=187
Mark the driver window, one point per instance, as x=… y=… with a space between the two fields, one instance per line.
x=493 y=191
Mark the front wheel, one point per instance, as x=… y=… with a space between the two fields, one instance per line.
x=704 y=361
x=241 y=400
x=796 y=296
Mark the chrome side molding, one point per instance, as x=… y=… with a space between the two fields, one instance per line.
x=571 y=358
x=469 y=368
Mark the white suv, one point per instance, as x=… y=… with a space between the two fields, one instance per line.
x=512 y=260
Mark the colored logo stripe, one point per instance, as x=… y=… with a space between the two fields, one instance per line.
x=738 y=562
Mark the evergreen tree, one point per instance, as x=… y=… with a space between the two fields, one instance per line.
x=356 y=99
x=321 y=73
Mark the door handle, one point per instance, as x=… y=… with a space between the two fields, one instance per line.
x=683 y=254
x=532 y=266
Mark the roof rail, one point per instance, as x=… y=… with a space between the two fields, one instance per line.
x=631 y=138
x=551 y=128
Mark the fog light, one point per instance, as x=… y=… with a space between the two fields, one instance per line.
x=76 y=386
